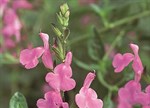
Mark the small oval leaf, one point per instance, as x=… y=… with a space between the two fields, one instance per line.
x=18 y=101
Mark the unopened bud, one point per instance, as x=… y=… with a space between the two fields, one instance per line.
x=64 y=7
x=67 y=14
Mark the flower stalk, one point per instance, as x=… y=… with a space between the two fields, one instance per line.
x=63 y=33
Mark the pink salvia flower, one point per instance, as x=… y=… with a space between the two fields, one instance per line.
x=29 y=57
x=52 y=100
x=21 y=4
x=61 y=78
x=47 y=57
x=129 y=95
x=121 y=61
x=12 y=24
x=3 y=5
x=146 y=98
x=87 y=97
x=137 y=64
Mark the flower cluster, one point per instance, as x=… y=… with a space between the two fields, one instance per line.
x=59 y=79
x=87 y=97
x=131 y=94
x=11 y=23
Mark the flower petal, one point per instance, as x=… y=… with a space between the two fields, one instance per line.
x=121 y=61
x=67 y=83
x=45 y=39
x=88 y=80
x=137 y=64
x=53 y=80
x=47 y=59
x=68 y=59
x=29 y=57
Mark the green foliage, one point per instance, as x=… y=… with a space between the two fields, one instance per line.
x=18 y=101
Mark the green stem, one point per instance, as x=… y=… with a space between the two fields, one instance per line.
x=113 y=25
x=105 y=84
x=64 y=44
x=124 y=21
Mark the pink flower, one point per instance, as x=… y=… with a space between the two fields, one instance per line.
x=3 y=5
x=12 y=24
x=47 y=57
x=29 y=57
x=130 y=95
x=61 y=78
x=87 y=97
x=21 y=4
x=121 y=61
x=146 y=100
x=52 y=100
x=137 y=64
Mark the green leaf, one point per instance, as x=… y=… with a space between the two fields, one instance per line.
x=96 y=46
x=56 y=30
x=59 y=18
x=18 y=101
x=7 y=58
x=92 y=52
x=66 y=33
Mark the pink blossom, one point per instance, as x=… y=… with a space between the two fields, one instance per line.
x=61 y=78
x=21 y=4
x=130 y=95
x=47 y=57
x=29 y=57
x=146 y=95
x=3 y=5
x=137 y=64
x=121 y=61
x=52 y=100
x=87 y=97
x=12 y=24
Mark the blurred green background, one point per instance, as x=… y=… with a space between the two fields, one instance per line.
x=99 y=29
